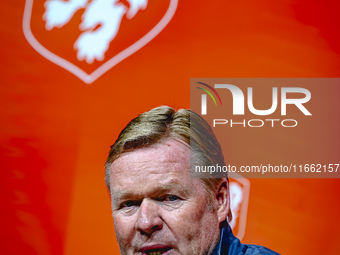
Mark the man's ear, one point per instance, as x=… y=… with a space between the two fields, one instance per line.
x=222 y=197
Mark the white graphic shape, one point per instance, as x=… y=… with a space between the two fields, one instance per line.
x=83 y=52
x=107 y=14
x=58 y=12
x=236 y=197
x=239 y=189
x=92 y=44
x=135 y=6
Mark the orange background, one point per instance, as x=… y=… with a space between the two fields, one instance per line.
x=56 y=130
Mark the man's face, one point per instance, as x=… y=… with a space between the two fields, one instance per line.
x=157 y=207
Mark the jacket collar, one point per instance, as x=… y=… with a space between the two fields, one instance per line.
x=228 y=243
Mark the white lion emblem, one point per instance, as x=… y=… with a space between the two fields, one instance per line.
x=100 y=22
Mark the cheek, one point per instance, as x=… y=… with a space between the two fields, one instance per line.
x=187 y=222
x=201 y=223
x=124 y=229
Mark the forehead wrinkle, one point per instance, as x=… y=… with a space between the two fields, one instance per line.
x=135 y=168
x=116 y=167
x=161 y=159
x=123 y=194
x=164 y=157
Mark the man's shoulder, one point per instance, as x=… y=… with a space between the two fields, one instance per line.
x=258 y=250
x=237 y=248
x=231 y=245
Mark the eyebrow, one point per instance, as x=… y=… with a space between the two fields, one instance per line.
x=118 y=195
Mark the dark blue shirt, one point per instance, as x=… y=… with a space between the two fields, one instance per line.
x=230 y=245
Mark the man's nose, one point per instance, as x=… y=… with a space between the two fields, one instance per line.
x=149 y=219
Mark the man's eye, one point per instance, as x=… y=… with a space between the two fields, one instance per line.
x=128 y=203
x=171 y=198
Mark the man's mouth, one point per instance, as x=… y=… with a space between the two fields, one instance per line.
x=155 y=250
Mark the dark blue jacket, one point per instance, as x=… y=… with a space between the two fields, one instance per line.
x=230 y=245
